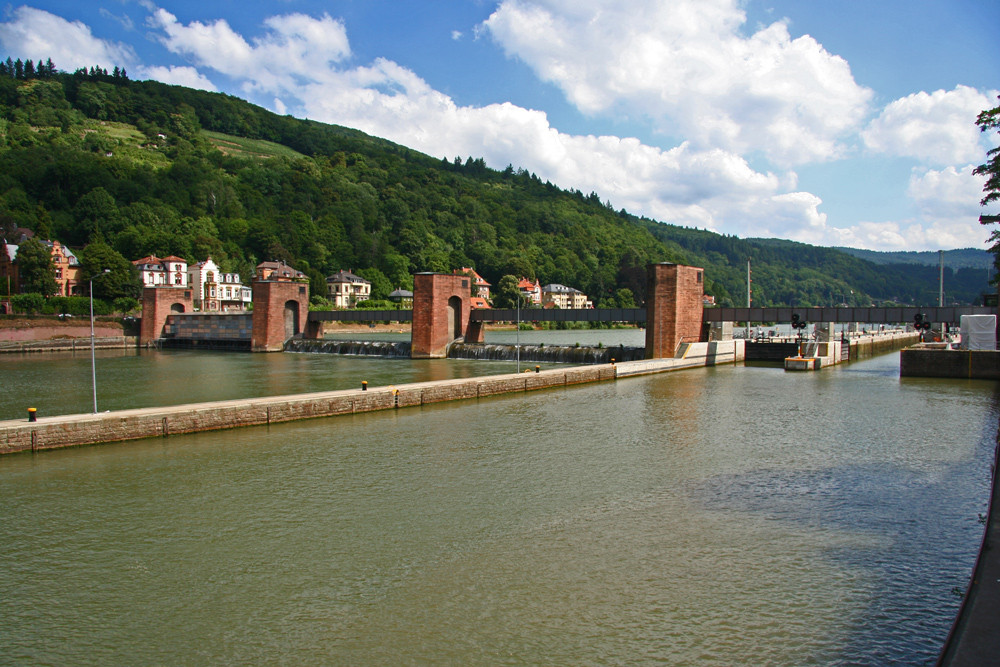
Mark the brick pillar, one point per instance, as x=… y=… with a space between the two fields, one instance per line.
x=158 y=303
x=673 y=308
x=441 y=307
x=314 y=330
x=280 y=309
x=475 y=333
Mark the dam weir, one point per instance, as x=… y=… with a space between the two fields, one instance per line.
x=557 y=354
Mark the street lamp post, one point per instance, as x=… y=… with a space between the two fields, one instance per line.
x=93 y=359
x=517 y=335
x=517 y=332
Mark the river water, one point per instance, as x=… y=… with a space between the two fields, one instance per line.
x=732 y=515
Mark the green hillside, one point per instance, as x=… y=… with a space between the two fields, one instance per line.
x=961 y=258
x=146 y=168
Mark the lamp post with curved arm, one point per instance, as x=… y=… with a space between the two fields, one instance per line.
x=93 y=359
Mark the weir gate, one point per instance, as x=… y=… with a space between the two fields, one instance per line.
x=442 y=314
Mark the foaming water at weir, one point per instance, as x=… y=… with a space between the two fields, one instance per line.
x=559 y=354
x=363 y=348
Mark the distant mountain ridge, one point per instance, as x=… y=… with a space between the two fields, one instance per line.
x=961 y=258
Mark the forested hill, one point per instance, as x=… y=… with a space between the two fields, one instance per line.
x=971 y=258
x=95 y=159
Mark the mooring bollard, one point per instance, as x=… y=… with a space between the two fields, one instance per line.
x=364 y=385
x=31 y=414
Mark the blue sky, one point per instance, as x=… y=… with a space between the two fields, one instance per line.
x=833 y=123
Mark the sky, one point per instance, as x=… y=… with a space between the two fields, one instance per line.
x=835 y=123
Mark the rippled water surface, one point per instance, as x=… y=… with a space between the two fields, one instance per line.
x=735 y=515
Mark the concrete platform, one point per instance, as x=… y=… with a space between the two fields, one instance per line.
x=802 y=363
x=936 y=361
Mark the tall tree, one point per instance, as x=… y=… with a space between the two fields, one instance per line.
x=35 y=268
x=114 y=276
x=507 y=293
x=990 y=120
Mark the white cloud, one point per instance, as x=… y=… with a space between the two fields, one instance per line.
x=178 y=76
x=124 y=20
x=295 y=48
x=70 y=44
x=686 y=66
x=937 y=128
x=713 y=189
x=949 y=193
x=456 y=35
x=947 y=203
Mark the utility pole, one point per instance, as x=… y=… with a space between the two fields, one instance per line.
x=940 y=278
x=749 y=301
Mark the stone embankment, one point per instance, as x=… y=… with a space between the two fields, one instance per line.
x=72 y=430
x=870 y=345
x=49 y=333
x=69 y=344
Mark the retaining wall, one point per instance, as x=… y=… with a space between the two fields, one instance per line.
x=70 y=344
x=47 y=332
x=863 y=347
x=942 y=363
x=209 y=326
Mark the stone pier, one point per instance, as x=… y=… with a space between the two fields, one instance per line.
x=674 y=305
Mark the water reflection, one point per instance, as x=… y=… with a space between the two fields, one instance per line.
x=733 y=515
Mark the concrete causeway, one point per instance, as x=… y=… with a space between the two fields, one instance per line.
x=86 y=429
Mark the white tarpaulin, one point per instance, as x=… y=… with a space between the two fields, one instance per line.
x=979 y=332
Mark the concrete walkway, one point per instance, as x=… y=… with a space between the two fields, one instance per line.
x=86 y=429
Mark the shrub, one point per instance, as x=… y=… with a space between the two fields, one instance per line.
x=125 y=305
x=28 y=304
x=376 y=304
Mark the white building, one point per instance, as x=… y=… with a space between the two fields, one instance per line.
x=345 y=289
x=215 y=290
x=563 y=297
x=161 y=272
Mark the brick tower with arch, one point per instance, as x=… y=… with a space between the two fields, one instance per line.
x=280 y=309
x=159 y=303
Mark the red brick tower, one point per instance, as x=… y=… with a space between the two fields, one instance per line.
x=441 y=307
x=673 y=308
x=280 y=309
x=159 y=303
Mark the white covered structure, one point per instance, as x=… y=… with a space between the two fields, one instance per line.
x=979 y=332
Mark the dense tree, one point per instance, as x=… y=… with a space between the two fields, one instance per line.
x=35 y=268
x=113 y=275
x=990 y=120
x=506 y=294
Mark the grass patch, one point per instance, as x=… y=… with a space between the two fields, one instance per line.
x=251 y=148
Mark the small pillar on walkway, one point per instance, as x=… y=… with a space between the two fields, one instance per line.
x=828 y=344
x=720 y=331
x=280 y=308
x=674 y=308
x=159 y=303
x=442 y=304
